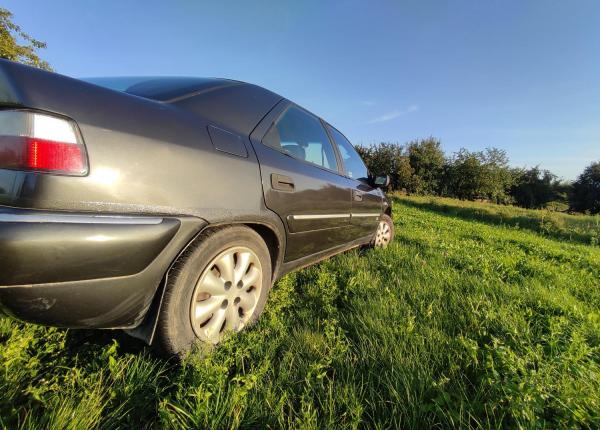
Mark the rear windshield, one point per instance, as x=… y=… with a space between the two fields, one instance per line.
x=159 y=88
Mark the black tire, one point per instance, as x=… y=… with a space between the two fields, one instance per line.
x=175 y=334
x=376 y=242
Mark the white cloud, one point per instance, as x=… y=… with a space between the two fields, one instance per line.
x=394 y=114
x=368 y=103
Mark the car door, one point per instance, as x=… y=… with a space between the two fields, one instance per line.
x=302 y=181
x=367 y=201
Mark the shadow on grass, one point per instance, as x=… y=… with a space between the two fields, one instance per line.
x=90 y=343
x=547 y=226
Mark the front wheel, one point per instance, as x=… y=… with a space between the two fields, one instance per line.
x=385 y=232
x=219 y=286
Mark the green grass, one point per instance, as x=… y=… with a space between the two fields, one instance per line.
x=461 y=322
x=571 y=227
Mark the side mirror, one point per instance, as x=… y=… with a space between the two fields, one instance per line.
x=381 y=181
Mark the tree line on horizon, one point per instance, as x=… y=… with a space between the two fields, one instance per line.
x=421 y=167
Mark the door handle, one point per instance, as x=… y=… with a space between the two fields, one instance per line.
x=282 y=182
x=358 y=195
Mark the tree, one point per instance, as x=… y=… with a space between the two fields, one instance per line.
x=498 y=177
x=464 y=175
x=535 y=188
x=388 y=158
x=479 y=175
x=427 y=161
x=16 y=45
x=586 y=190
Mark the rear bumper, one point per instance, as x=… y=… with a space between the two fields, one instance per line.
x=85 y=270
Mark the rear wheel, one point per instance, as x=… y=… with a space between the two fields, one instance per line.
x=385 y=232
x=218 y=287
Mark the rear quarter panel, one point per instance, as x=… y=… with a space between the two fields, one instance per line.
x=145 y=156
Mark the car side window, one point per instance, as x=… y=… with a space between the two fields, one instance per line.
x=353 y=164
x=301 y=135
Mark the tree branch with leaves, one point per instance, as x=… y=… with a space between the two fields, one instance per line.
x=16 y=45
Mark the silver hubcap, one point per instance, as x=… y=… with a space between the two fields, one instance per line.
x=383 y=234
x=226 y=294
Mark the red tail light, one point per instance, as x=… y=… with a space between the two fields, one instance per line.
x=39 y=142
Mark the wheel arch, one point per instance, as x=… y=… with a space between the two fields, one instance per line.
x=274 y=245
x=274 y=239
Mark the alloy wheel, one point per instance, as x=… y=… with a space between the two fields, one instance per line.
x=226 y=294
x=383 y=236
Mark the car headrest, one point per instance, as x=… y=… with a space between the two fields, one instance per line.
x=296 y=150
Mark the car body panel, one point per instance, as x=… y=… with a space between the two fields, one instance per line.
x=367 y=200
x=41 y=247
x=167 y=163
x=106 y=301
x=318 y=202
x=367 y=203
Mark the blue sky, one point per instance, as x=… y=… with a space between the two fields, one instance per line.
x=521 y=75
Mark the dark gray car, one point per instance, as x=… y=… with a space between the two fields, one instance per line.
x=167 y=206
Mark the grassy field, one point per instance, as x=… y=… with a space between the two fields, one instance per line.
x=477 y=316
x=571 y=227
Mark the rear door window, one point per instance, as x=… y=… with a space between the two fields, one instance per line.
x=301 y=135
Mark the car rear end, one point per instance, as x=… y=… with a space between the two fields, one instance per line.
x=87 y=231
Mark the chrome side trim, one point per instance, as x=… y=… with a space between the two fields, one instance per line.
x=79 y=219
x=324 y=216
x=365 y=215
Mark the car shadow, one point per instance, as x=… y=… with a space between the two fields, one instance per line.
x=78 y=340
